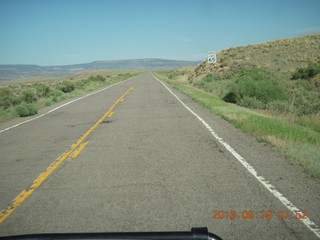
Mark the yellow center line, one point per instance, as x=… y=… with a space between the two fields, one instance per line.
x=76 y=152
x=110 y=114
x=37 y=182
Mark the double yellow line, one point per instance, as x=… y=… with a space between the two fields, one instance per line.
x=72 y=151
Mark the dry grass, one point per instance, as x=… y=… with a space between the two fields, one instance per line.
x=281 y=55
x=75 y=77
x=280 y=144
x=234 y=116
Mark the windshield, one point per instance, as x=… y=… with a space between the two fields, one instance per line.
x=160 y=116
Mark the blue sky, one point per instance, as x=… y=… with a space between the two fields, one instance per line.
x=60 y=32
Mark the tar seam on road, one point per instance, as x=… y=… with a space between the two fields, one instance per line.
x=72 y=151
x=310 y=224
x=63 y=105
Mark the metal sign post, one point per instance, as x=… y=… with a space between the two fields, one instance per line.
x=212 y=59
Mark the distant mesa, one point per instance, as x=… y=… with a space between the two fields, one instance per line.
x=15 y=71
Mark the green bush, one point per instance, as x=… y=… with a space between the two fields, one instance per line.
x=224 y=76
x=43 y=90
x=207 y=86
x=25 y=110
x=251 y=102
x=306 y=102
x=279 y=106
x=55 y=99
x=63 y=97
x=315 y=82
x=6 y=98
x=208 y=78
x=308 y=72
x=91 y=79
x=97 y=78
x=230 y=97
x=206 y=83
x=48 y=102
x=22 y=111
x=29 y=96
x=56 y=93
x=253 y=86
x=82 y=83
x=32 y=109
x=66 y=86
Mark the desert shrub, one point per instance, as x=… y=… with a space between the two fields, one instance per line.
x=255 y=86
x=279 y=106
x=29 y=96
x=82 y=83
x=224 y=76
x=6 y=98
x=25 y=110
x=171 y=75
x=230 y=97
x=251 y=102
x=22 y=110
x=91 y=79
x=208 y=78
x=16 y=101
x=315 y=81
x=208 y=87
x=66 y=86
x=43 y=90
x=54 y=99
x=56 y=93
x=31 y=108
x=97 y=78
x=48 y=102
x=308 y=72
x=307 y=102
x=206 y=83
x=223 y=62
x=63 y=97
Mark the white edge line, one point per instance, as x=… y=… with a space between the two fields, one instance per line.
x=63 y=105
x=307 y=222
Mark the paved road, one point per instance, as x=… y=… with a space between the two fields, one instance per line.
x=147 y=165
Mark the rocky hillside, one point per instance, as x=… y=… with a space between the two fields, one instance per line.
x=283 y=55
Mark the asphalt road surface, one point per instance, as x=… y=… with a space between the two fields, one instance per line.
x=134 y=158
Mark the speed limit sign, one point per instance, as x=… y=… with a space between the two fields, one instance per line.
x=212 y=58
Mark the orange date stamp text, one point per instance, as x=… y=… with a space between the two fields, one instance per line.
x=250 y=214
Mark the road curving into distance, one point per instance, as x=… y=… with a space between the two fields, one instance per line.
x=139 y=156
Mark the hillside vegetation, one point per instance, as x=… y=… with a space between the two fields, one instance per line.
x=24 y=97
x=280 y=75
x=270 y=90
x=281 y=55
